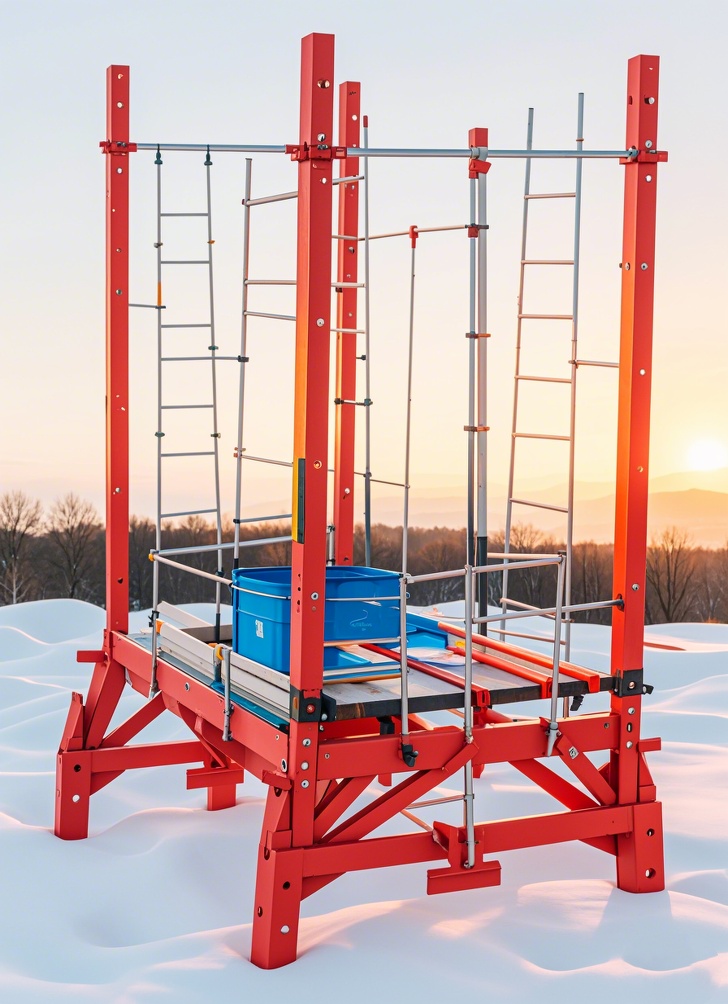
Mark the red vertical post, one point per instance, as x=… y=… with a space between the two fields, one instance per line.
x=346 y=318
x=116 y=149
x=639 y=857
x=280 y=876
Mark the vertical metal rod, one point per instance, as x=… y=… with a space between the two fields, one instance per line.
x=404 y=669
x=482 y=437
x=367 y=362
x=471 y=384
x=215 y=431
x=469 y=815
x=226 y=734
x=573 y=357
x=243 y=352
x=408 y=423
x=558 y=616
x=514 y=424
x=331 y=545
x=153 y=687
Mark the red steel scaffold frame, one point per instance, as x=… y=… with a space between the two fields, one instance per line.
x=316 y=768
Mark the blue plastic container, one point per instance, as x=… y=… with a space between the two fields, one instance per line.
x=262 y=611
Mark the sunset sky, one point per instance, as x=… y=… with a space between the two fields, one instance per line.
x=228 y=72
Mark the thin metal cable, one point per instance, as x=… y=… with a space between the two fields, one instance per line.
x=243 y=355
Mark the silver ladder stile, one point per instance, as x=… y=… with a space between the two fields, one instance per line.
x=573 y=317
x=243 y=359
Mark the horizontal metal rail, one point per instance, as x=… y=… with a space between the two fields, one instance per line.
x=592 y=362
x=199 y=359
x=228 y=545
x=545 y=611
x=482 y=153
x=209 y=147
x=188 y=512
x=187 y=568
x=540 y=505
x=274 y=317
x=406 y=233
x=266 y=200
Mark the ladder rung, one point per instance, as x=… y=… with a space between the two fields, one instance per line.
x=199 y=359
x=188 y=512
x=270 y=282
x=547 y=261
x=199 y=453
x=180 y=407
x=540 y=505
x=348 y=285
x=149 y=306
x=551 y=195
x=546 y=317
x=275 y=317
x=183 y=214
x=539 y=379
x=185 y=261
x=349 y=331
x=186 y=325
x=592 y=362
x=539 y=435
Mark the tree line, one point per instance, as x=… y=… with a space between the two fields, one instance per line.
x=61 y=553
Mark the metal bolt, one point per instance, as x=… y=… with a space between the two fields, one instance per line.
x=630 y=685
x=310 y=709
x=644 y=266
x=320 y=322
x=321 y=728
x=648 y=144
x=321 y=137
x=573 y=752
x=629 y=745
x=650 y=101
x=304 y=765
x=648 y=177
x=119 y=292
x=306 y=742
x=630 y=711
x=285 y=929
x=606 y=725
x=327 y=756
x=324 y=718
x=314 y=596
x=304 y=784
x=627 y=266
x=635 y=587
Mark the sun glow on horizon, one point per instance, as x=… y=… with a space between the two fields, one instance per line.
x=707 y=455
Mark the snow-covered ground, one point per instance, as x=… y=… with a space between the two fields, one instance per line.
x=156 y=904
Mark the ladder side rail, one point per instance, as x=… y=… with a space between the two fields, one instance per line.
x=568 y=571
x=519 y=327
x=213 y=376
x=346 y=326
x=367 y=360
x=153 y=687
x=243 y=357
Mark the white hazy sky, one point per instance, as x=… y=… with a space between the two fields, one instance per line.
x=228 y=72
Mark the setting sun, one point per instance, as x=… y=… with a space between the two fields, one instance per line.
x=707 y=455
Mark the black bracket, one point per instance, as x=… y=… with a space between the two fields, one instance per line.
x=409 y=754
x=311 y=709
x=386 y=726
x=631 y=683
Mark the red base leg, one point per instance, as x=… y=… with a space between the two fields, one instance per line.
x=221 y=796
x=277 y=908
x=73 y=795
x=640 y=855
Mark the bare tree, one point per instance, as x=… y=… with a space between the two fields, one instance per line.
x=74 y=539
x=20 y=518
x=670 y=577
